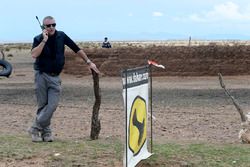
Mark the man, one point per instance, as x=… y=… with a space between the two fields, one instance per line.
x=48 y=50
x=106 y=43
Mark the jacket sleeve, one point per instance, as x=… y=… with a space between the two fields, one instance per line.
x=36 y=41
x=71 y=44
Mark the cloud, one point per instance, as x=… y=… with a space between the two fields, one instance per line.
x=227 y=11
x=157 y=14
x=196 y=17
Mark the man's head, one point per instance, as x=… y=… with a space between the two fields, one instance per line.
x=49 y=24
x=106 y=39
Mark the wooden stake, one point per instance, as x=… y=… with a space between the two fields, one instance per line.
x=244 y=133
x=95 y=123
x=236 y=104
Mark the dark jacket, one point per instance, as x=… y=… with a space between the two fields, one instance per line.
x=106 y=45
x=52 y=57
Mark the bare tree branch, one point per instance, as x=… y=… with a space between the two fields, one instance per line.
x=236 y=104
x=95 y=124
x=2 y=54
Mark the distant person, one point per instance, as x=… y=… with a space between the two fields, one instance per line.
x=106 y=43
x=48 y=51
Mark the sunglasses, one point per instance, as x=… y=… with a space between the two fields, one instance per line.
x=49 y=25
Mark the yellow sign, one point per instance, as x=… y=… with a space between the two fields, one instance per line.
x=137 y=125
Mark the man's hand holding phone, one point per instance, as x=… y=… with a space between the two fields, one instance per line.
x=45 y=35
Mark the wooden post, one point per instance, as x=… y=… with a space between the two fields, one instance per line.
x=3 y=58
x=244 y=133
x=236 y=104
x=95 y=123
x=189 y=41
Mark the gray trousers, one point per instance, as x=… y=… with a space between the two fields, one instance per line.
x=48 y=90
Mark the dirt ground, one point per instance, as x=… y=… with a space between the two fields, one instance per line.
x=187 y=109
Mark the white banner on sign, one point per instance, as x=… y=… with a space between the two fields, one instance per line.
x=135 y=94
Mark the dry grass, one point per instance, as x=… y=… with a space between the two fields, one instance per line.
x=115 y=44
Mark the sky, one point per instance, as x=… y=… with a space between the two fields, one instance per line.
x=92 y=20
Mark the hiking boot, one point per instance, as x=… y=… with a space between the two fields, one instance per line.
x=35 y=137
x=47 y=137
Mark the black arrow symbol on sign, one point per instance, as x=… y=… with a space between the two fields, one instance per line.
x=139 y=125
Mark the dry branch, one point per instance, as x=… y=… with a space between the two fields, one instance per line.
x=244 y=133
x=95 y=123
x=2 y=54
x=236 y=104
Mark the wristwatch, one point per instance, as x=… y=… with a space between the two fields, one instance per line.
x=88 y=61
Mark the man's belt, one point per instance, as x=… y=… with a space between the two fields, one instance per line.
x=53 y=74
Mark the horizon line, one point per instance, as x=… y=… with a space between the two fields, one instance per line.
x=139 y=40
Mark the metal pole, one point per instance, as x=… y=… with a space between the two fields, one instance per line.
x=126 y=107
x=151 y=106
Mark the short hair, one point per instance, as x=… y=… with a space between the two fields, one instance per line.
x=48 y=17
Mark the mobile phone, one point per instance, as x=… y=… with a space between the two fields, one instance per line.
x=42 y=26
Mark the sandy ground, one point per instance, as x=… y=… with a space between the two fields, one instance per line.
x=186 y=108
